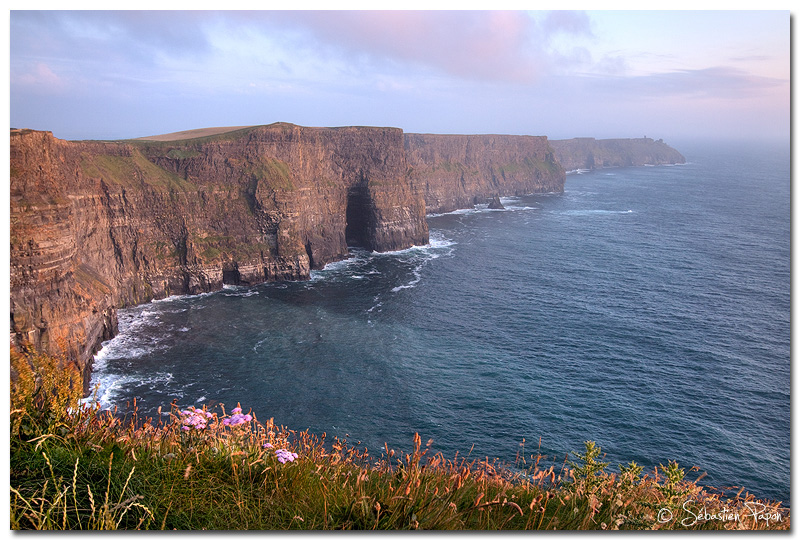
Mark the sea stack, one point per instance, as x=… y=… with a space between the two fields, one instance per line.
x=495 y=204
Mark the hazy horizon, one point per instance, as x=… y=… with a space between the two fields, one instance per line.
x=671 y=75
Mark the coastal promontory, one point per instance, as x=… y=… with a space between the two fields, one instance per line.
x=100 y=225
x=589 y=153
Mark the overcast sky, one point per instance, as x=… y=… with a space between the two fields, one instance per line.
x=671 y=75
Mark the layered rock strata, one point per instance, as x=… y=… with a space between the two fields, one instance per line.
x=100 y=225
x=589 y=153
x=96 y=226
x=459 y=171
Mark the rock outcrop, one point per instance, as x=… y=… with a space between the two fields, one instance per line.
x=496 y=204
x=589 y=153
x=459 y=171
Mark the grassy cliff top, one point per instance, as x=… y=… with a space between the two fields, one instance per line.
x=191 y=134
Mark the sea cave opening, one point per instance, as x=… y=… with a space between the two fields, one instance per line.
x=230 y=274
x=359 y=208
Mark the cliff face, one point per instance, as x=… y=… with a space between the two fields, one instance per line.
x=588 y=153
x=458 y=171
x=99 y=225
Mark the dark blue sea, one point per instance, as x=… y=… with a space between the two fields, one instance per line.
x=644 y=308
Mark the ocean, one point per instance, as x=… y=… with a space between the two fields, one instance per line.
x=645 y=308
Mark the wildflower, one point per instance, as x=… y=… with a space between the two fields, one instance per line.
x=266 y=445
x=194 y=418
x=284 y=455
x=237 y=418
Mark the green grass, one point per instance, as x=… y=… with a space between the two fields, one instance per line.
x=183 y=153
x=196 y=141
x=75 y=467
x=211 y=247
x=132 y=171
x=273 y=172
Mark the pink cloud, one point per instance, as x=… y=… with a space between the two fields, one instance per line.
x=480 y=45
x=40 y=78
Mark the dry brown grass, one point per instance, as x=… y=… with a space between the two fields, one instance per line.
x=190 y=134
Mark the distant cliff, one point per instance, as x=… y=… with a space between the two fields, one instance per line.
x=459 y=171
x=100 y=225
x=588 y=153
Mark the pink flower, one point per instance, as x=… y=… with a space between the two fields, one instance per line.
x=284 y=455
x=193 y=418
x=237 y=419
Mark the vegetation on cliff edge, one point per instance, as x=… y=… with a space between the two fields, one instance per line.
x=73 y=466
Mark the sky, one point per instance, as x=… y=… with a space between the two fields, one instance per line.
x=604 y=74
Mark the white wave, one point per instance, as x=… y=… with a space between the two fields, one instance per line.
x=507 y=202
x=435 y=242
x=333 y=268
x=260 y=343
x=579 y=171
x=460 y=211
x=129 y=343
x=438 y=240
x=170 y=298
x=339 y=265
x=413 y=283
x=240 y=291
x=134 y=339
x=105 y=387
x=177 y=297
x=594 y=212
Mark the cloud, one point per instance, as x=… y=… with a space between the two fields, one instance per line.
x=567 y=22
x=40 y=79
x=714 y=82
x=504 y=46
x=139 y=36
x=433 y=70
x=493 y=46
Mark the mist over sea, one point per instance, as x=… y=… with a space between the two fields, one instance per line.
x=644 y=308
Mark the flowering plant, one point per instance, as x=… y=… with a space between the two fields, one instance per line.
x=194 y=418
x=237 y=418
x=284 y=455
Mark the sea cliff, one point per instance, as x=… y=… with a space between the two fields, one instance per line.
x=100 y=225
x=96 y=226
x=589 y=153
x=459 y=171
